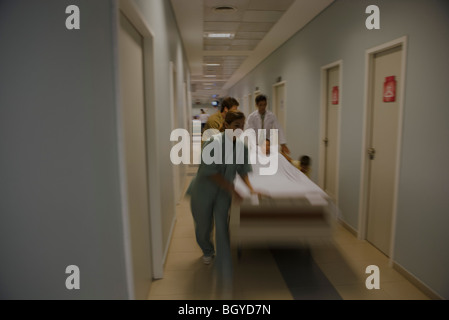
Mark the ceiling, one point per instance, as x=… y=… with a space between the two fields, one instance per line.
x=255 y=27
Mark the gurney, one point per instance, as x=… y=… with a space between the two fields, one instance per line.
x=295 y=210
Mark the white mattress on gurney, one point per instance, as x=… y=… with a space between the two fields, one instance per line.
x=297 y=209
x=288 y=182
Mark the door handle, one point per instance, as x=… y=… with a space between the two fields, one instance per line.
x=326 y=142
x=371 y=153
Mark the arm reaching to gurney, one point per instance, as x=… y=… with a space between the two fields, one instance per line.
x=251 y=189
x=229 y=187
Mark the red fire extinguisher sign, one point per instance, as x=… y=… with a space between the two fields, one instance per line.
x=335 y=95
x=390 y=89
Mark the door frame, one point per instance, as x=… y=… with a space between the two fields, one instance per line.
x=129 y=9
x=367 y=135
x=323 y=124
x=283 y=122
x=174 y=108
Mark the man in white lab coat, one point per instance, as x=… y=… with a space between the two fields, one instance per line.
x=265 y=119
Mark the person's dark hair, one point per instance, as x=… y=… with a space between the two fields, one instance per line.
x=229 y=103
x=260 y=98
x=233 y=115
x=305 y=160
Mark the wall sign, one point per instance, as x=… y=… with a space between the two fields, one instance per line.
x=335 y=95
x=390 y=89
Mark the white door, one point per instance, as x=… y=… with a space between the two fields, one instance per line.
x=383 y=147
x=133 y=113
x=333 y=97
x=279 y=104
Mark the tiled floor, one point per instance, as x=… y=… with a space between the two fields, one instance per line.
x=336 y=267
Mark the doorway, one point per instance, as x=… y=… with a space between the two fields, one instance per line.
x=175 y=121
x=279 y=104
x=330 y=128
x=385 y=85
x=132 y=88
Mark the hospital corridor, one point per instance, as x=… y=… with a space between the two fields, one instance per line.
x=195 y=151
x=326 y=269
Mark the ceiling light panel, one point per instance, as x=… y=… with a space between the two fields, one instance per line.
x=248 y=21
x=218 y=35
x=228 y=65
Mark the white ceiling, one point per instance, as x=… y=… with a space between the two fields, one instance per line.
x=259 y=26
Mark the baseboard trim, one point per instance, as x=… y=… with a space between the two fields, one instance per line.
x=416 y=282
x=348 y=227
x=169 y=241
x=410 y=277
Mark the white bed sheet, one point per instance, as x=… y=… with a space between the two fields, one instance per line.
x=289 y=189
x=287 y=182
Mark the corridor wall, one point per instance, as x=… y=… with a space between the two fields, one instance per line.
x=61 y=197
x=421 y=240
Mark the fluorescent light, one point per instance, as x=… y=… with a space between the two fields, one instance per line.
x=210 y=76
x=208 y=84
x=220 y=35
x=213 y=64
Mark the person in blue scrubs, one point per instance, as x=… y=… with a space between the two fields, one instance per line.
x=212 y=189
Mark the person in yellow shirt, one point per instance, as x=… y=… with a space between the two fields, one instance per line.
x=217 y=120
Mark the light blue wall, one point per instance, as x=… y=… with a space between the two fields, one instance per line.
x=422 y=240
x=59 y=169
x=59 y=183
